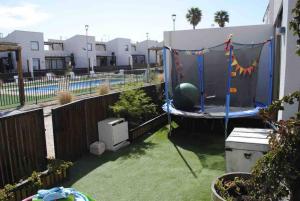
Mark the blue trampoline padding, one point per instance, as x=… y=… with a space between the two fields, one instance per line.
x=248 y=113
x=216 y=112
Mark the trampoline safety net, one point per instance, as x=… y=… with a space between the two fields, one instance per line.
x=207 y=69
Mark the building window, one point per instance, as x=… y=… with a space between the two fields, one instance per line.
x=34 y=45
x=133 y=47
x=36 y=64
x=100 y=47
x=126 y=48
x=55 y=62
x=89 y=46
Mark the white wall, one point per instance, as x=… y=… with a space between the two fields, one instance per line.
x=77 y=46
x=142 y=48
x=204 y=38
x=118 y=47
x=23 y=38
x=290 y=62
x=274 y=8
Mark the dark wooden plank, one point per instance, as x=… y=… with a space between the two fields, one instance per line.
x=23 y=145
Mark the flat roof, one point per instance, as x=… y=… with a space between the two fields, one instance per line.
x=155 y=48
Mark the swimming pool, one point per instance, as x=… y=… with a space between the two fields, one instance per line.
x=72 y=86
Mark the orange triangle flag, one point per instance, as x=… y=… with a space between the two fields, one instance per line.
x=234 y=62
x=241 y=70
x=237 y=67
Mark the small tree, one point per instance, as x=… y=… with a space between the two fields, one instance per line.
x=135 y=106
x=221 y=17
x=194 y=16
x=295 y=24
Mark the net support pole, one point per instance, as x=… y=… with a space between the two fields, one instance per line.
x=227 y=106
x=201 y=81
x=271 y=65
x=166 y=77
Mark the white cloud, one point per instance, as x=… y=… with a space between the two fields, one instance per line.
x=12 y=17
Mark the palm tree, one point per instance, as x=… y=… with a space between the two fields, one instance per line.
x=221 y=17
x=194 y=16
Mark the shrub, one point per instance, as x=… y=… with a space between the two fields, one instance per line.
x=135 y=106
x=133 y=85
x=58 y=166
x=103 y=89
x=277 y=174
x=64 y=97
x=35 y=179
x=6 y=193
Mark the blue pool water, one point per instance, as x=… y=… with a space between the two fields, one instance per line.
x=72 y=86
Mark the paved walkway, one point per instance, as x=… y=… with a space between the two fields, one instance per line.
x=49 y=132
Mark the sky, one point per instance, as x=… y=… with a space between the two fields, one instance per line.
x=108 y=19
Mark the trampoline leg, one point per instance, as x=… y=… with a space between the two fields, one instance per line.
x=212 y=127
x=169 y=125
x=222 y=124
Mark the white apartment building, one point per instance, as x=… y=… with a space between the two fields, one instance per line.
x=143 y=47
x=84 y=50
x=287 y=63
x=32 y=43
x=80 y=51
x=121 y=48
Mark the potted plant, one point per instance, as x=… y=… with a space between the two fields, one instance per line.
x=135 y=106
x=231 y=186
x=276 y=176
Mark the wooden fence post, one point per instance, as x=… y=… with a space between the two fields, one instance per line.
x=20 y=76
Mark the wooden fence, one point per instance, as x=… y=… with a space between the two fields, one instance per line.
x=22 y=146
x=75 y=124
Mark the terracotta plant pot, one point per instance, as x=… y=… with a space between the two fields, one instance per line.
x=228 y=176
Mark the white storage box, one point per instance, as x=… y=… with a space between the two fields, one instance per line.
x=244 y=146
x=113 y=132
x=97 y=148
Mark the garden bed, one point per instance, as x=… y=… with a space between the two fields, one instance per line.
x=27 y=187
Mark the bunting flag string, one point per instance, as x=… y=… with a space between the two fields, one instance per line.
x=240 y=69
x=196 y=52
x=178 y=64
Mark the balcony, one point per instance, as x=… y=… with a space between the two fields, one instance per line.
x=56 y=53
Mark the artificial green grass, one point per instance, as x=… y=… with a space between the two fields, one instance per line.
x=179 y=168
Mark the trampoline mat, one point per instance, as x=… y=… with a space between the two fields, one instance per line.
x=215 y=111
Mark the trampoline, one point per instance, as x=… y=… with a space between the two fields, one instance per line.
x=233 y=80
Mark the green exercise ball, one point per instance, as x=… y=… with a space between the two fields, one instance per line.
x=186 y=96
